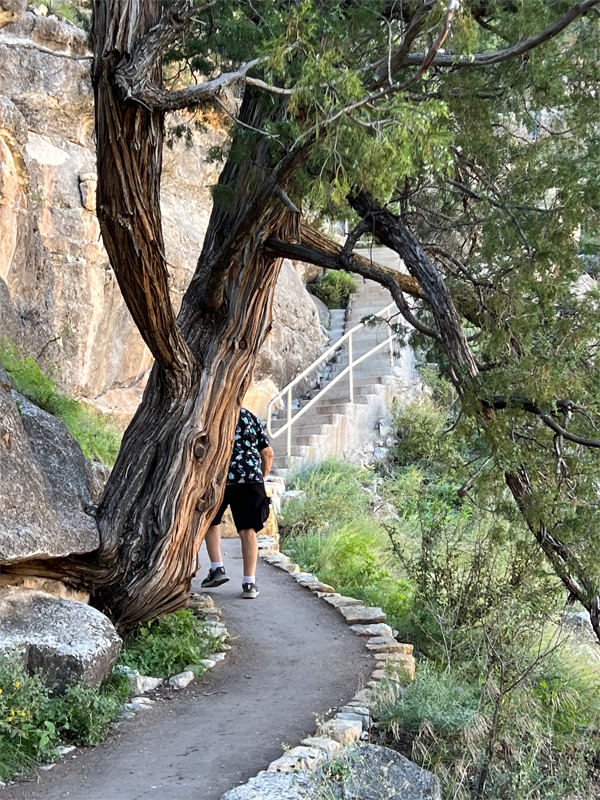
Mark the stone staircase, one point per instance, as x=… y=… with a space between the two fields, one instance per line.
x=334 y=425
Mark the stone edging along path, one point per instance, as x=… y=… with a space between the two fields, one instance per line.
x=352 y=722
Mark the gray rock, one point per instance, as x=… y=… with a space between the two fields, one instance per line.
x=146 y=683
x=344 y=731
x=375 y=629
x=386 y=427
x=379 y=773
x=11 y=10
x=323 y=311
x=360 y=711
x=200 y=601
x=385 y=644
x=340 y=600
x=182 y=679
x=362 y=615
x=44 y=488
x=329 y=746
x=381 y=453
x=275 y=786
x=68 y=641
x=303 y=757
x=292 y=494
x=98 y=474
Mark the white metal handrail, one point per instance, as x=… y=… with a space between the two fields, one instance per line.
x=349 y=370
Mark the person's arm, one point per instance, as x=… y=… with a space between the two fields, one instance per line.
x=266 y=460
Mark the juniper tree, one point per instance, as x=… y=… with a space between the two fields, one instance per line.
x=460 y=135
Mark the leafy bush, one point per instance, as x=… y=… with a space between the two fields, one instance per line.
x=169 y=644
x=95 y=432
x=438 y=698
x=497 y=710
x=533 y=736
x=33 y=721
x=333 y=496
x=335 y=287
x=332 y=532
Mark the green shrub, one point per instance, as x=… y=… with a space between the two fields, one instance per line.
x=169 y=644
x=33 y=721
x=532 y=736
x=95 y=432
x=333 y=496
x=438 y=698
x=335 y=288
x=82 y=714
x=332 y=533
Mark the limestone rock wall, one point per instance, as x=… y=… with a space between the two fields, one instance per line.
x=59 y=299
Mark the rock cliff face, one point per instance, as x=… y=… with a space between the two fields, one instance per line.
x=59 y=299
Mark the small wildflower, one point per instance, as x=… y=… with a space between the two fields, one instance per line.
x=0 y=691
x=17 y=684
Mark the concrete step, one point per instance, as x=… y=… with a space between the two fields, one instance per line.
x=337 y=408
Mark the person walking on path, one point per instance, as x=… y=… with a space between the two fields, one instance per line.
x=250 y=463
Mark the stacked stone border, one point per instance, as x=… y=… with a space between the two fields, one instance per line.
x=352 y=723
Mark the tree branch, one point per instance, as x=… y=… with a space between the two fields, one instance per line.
x=566 y=406
x=393 y=61
x=567 y=566
x=318 y=249
x=497 y=56
x=390 y=231
x=154 y=96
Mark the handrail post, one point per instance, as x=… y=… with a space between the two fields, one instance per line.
x=351 y=372
x=289 y=419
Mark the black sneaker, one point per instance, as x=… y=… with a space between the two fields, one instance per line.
x=249 y=591
x=215 y=577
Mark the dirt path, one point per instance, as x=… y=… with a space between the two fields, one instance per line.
x=293 y=656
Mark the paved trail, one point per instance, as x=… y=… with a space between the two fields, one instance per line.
x=292 y=656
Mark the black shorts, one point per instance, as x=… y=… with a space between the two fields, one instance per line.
x=249 y=506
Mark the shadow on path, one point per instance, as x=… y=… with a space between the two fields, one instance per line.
x=292 y=656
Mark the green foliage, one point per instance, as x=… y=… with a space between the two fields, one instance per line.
x=169 y=644
x=438 y=698
x=333 y=496
x=501 y=706
x=335 y=288
x=95 y=432
x=33 y=721
x=542 y=730
x=331 y=532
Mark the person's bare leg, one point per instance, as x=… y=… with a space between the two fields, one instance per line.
x=213 y=543
x=249 y=550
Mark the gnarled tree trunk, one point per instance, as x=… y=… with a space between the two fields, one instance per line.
x=170 y=472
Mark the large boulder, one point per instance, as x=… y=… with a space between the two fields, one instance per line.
x=368 y=772
x=44 y=486
x=378 y=772
x=68 y=641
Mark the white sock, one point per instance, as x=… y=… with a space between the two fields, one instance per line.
x=249 y=579
x=215 y=564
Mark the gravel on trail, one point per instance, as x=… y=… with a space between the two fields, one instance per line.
x=292 y=657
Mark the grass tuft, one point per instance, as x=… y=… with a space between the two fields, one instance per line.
x=97 y=434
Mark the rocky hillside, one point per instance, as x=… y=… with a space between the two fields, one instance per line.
x=59 y=300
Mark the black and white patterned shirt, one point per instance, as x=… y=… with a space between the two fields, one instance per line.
x=250 y=439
